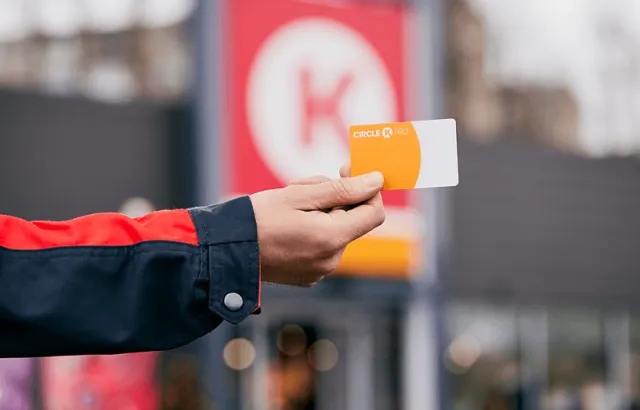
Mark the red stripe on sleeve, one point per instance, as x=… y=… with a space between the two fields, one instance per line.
x=107 y=229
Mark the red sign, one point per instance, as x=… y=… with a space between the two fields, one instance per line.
x=100 y=382
x=300 y=74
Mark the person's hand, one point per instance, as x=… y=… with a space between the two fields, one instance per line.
x=304 y=228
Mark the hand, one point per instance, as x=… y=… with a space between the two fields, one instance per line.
x=345 y=172
x=304 y=228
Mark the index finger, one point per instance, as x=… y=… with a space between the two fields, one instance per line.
x=345 y=170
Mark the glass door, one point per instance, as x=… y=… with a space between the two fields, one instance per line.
x=317 y=356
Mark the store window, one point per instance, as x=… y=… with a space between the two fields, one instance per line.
x=577 y=374
x=292 y=367
x=482 y=358
x=315 y=359
x=633 y=391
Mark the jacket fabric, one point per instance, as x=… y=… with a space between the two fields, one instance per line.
x=108 y=284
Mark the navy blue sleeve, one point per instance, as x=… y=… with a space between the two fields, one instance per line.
x=149 y=296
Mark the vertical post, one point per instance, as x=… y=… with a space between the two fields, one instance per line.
x=208 y=95
x=258 y=389
x=359 y=348
x=532 y=328
x=424 y=333
x=617 y=348
x=420 y=381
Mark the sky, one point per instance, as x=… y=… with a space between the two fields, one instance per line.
x=62 y=18
x=564 y=42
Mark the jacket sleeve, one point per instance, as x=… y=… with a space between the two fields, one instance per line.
x=107 y=284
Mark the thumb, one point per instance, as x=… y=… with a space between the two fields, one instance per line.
x=340 y=192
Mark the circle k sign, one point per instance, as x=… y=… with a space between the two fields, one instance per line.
x=302 y=73
x=311 y=79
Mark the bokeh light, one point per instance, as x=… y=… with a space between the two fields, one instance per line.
x=323 y=355
x=292 y=340
x=239 y=354
x=464 y=351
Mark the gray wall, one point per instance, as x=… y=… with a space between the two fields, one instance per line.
x=536 y=226
x=60 y=158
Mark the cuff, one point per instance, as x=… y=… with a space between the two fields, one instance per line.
x=228 y=235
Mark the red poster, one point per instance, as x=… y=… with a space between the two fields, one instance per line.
x=126 y=382
x=299 y=74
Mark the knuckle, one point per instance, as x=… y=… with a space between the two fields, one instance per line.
x=329 y=265
x=336 y=243
x=333 y=263
x=343 y=188
x=304 y=279
x=291 y=192
x=340 y=242
x=326 y=248
x=318 y=239
x=327 y=243
x=311 y=276
x=380 y=216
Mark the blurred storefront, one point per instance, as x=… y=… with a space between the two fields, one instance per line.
x=557 y=357
x=542 y=280
x=542 y=277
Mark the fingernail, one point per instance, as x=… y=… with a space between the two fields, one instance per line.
x=373 y=180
